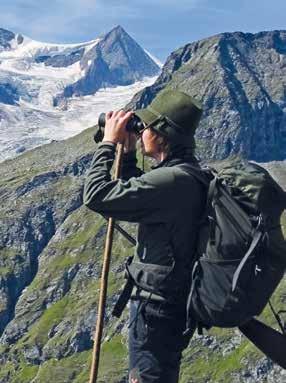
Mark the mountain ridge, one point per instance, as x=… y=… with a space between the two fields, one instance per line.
x=244 y=106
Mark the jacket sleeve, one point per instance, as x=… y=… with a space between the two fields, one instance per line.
x=129 y=168
x=138 y=199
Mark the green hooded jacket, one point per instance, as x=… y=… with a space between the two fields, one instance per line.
x=167 y=202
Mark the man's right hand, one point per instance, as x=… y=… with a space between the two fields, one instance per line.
x=115 y=126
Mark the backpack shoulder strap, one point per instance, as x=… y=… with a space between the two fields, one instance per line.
x=206 y=176
x=255 y=241
x=203 y=175
x=271 y=342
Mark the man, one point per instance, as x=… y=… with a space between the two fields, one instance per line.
x=167 y=202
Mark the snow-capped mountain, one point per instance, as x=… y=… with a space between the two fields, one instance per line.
x=53 y=91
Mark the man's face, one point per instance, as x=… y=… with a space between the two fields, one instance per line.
x=149 y=143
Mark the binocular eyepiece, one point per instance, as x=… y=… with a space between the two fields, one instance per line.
x=134 y=125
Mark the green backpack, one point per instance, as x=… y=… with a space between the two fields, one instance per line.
x=241 y=250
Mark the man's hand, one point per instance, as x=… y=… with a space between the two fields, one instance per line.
x=115 y=126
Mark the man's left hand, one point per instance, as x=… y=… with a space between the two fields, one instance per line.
x=115 y=126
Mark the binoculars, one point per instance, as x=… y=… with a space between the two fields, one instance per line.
x=134 y=125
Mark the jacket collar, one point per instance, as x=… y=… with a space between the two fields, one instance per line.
x=172 y=161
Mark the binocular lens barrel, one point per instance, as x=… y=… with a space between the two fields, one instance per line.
x=134 y=125
x=101 y=120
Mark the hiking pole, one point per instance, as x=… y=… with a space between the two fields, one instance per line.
x=271 y=342
x=104 y=280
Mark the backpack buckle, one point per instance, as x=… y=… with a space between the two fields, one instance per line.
x=260 y=223
x=212 y=223
x=257 y=270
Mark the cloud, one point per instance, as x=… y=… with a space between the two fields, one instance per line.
x=59 y=20
x=183 y=4
x=147 y=21
x=130 y=8
x=44 y=17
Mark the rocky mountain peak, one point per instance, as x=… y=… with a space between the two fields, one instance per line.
x=265 y=40
x=117 y=32
x=5 y=33
x=116 y=59
x=5 y=38
x=119 y=48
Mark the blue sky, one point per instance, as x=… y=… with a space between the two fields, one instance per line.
x=160 y=26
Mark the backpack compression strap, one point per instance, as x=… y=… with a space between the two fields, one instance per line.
x=255 y=241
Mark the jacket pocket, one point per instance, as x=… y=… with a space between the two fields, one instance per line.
x=150 y=277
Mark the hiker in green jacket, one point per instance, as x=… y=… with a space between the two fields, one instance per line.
x=167 y=202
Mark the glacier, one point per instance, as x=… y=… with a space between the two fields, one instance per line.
x=33 y=73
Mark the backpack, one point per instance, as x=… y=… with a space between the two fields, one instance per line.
x=241 y=248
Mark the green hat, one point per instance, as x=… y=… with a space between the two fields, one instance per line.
x=173 y=114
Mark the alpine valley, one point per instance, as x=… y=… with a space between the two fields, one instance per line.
x=51 y=246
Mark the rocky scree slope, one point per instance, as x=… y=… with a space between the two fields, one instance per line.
x=241 y=80
x=50 y=255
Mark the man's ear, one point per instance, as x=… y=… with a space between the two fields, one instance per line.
x=160 y=140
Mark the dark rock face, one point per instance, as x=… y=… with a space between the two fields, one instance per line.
x=123 y=55
x=116 y=60
x=241 y=80
x=8 y=94
x=61 y=60
x=5 y=38
x=26 y=231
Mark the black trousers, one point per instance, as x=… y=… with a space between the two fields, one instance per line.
x=156 y=342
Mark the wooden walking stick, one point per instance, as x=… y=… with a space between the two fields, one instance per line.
x=104 y=280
